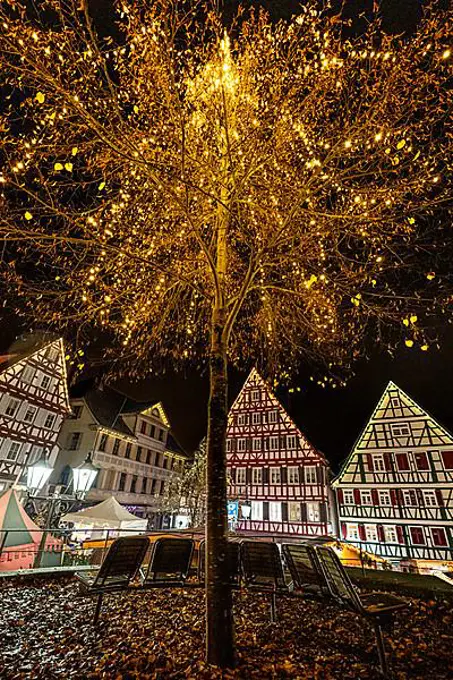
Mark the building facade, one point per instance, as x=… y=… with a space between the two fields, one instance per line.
x=273 y=467
x=395 y=490
x=33 y=403
x=130 y=442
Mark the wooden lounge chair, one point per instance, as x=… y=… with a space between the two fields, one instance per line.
x=379 y=608
x=169 y=564
x=118 y=569
x=233 y=563
x=306 y=572
x=262 y=569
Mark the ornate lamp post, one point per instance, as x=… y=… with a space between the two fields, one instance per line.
x=246 y=509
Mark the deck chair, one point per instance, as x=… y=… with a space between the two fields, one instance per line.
x=379 y=608
x=262 y=570
x=233 y=562
x=169 y=564
x=118 y=569
x=305 y=569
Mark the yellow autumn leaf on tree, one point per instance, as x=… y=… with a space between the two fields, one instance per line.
x=101 y=186
x=136 y=109
x=424 y=348
x=74 y=150
x=40 y=98
x=409 y=343
x=413 y=318
x=401 y=143
x=430 y=276
x=406 y=322
x=28 y=215
x=68 y=166
x=411 y=220
x=58 y=166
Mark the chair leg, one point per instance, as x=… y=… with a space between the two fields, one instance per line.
x=381 y=650
x=98 y=608
x=273 y=607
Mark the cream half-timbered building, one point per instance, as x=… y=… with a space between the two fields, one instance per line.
x=395 y=490
x=33 y=403
x=130 y=442
x=273 y=467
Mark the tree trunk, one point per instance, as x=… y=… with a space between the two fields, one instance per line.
x=219 y=603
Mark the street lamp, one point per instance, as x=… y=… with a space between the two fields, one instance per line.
x=246 y=509
x=38 y=473
x=83 y=477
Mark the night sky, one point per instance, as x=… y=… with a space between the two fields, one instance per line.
x=331 y=419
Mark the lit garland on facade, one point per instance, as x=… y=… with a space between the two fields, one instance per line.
x=325 y=162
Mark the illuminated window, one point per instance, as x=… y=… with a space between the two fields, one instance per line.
x=257 y=510
x=275 y=512
x=294 y=512
x=313 y=512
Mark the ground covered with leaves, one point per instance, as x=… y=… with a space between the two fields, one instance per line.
x=47 y=632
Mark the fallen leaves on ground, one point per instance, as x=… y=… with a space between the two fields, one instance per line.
x=47 y=633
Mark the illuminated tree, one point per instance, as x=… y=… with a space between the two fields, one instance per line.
x=187 y=492
x=263 y=196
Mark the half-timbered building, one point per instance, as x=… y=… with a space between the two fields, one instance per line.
x=274 y=468
x=130 y=442
x=33 y=403
x=395 y=490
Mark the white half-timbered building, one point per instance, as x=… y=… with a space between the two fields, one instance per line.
x=395 y=490
x=273 y=467
x=33 y=403
x=130 y=442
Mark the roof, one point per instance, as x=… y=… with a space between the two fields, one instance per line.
x=109 y=513
x=174 y=446
x=105 y=404
x=25 y=346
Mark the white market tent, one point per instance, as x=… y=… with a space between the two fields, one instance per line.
x=108 y=514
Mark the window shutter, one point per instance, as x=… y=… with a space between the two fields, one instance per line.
x=394 y=496
x=266 y=510
x=284 y=512
x=248 y=475
x=380 y=533
x=362 y=534
x=399 y=532
x=447 y=458
x=323 y=513
x=303 y=512
x=284 y=475
x=266 y=476
x=374 y=496
x=319 y=475
x=387 y=461
x=344 y=531
x=357 y=496
x=440 y=499
x=402 y=462
x=233 y=475
x=369 y=458
x=340 y=496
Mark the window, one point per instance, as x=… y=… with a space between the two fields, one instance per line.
x=122 y=482
x=45 y=382
x=400 y=429
x=49 y=421
x=13 y=451
x=12 y=407
x=275 y=475
x=30 y=414
x=352 y=532
x=257 y=476
x=274 y=443
x=103 y=442
x=294 y=513
x=310 y=475
x=152 y=431
x=421 y=461
x=390 y=534
x=371 y=532
x=313 y=512
x=153 y=486
x=409 y=497
x=52 y=354
x=161 y=435
x=438 y=536
x=127 y=453
x=27 y=374
x=133 y=484
x=74 y=441
x=417 y=535
x=275 y=511
x=256 y=444
x=257 y=510
x=291 y=441
x=378 y=463
x=272 y=417
x=384 y=498
x=255 y=395
x=76 y=412
x=293 y=475
x=148 y=457
x=241 y=475
x=430 y=499
x=139 y=453
x=366 y=498
x=228 y=445
x=116 y=446
x=447 y=458
x=242 y=444
x=395 y=402
x=242 y=419
x=402 y=462
x=348 y=497
x=256 y=418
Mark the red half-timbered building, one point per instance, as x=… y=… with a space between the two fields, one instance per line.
x=395 y=490
x=33 y=403
x=274 y=468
